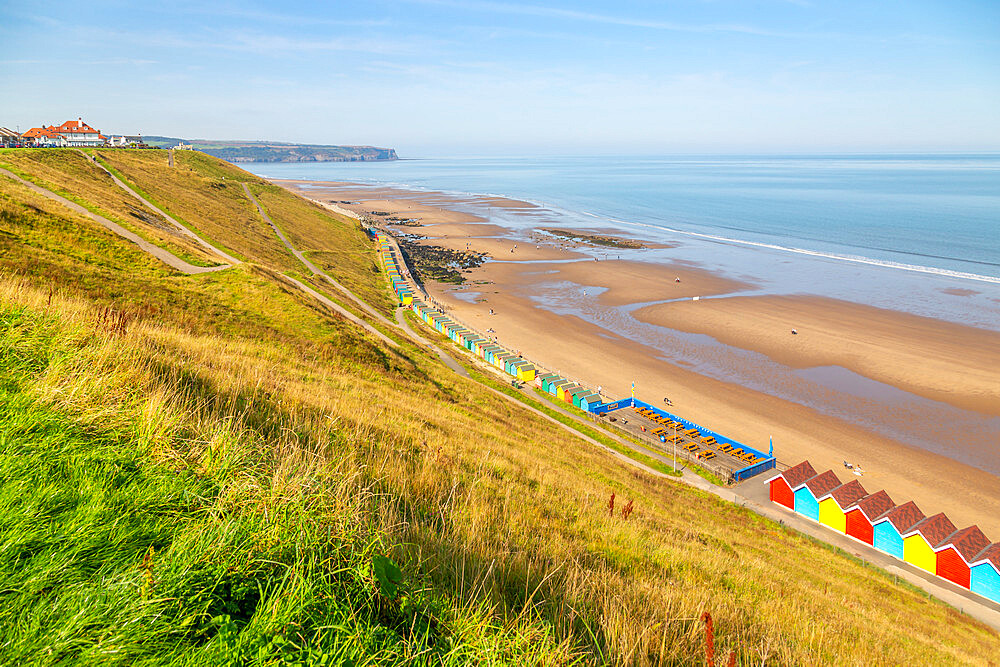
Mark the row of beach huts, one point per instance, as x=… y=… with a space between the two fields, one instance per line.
x=962 y=556
x=487 y=349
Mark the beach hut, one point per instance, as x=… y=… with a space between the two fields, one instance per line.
x=834 y=503
x=542 y=378
x=526 y=373
x=985 y=573
x=807 y=496
x=919 y=541
x=565 y=392
x=783 y=485
x=577 y=395
x=589 y=402
x=888 y=529
x=556 y=385
x=862 y=514
x=956 y=554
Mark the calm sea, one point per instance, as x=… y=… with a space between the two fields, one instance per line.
x=915 y=232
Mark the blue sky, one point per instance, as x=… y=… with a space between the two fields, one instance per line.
x=440 y=77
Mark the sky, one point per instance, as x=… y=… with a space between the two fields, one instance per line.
x=492 y=77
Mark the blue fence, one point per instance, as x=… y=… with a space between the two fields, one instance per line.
x=611 y=407
x=740 y=475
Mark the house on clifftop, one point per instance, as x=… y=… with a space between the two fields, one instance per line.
x=72 y=133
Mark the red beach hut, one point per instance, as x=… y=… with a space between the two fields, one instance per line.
x=783 y=485
x=862 y=514
x=956 y=554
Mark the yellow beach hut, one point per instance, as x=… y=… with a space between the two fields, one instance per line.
x=833 y=504
x=919 y=541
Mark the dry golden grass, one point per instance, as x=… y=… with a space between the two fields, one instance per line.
x=496 y=507
x=247 y=384
x=206 y=198
x=69 y=173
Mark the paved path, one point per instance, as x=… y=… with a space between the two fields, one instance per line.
x=340 y=310
x=312 y=267
x=159 y=253
x=180 y=228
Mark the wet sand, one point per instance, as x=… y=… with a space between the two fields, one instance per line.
x=953 y=364
x=939 y=360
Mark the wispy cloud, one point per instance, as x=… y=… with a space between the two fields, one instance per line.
x=591 y=17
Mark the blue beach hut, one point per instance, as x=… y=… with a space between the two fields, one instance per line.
x=889 y=528
x=808 y=494
x=985 y=573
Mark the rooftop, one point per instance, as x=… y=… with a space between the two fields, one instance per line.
x=848 y=494
x=799 y=474
x=904 y=516
x=875 y=504
x=935 y=529
x=820 y=485
x=969 y=542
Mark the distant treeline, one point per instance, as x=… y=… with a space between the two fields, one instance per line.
x=252 y=151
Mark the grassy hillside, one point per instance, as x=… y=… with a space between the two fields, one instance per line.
x=210 y=469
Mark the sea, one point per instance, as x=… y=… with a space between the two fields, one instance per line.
x=913 y=233
x=919 y=233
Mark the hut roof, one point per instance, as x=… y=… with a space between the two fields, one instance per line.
x=968 y=542
x=797 y=475
x=935 y=529
x=990 y=554
x=904 y=516
x=848 y=494
x=875 y=504
x=820 y=485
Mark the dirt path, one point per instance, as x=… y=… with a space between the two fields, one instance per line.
x=180 y=228
x=340 y=310
x=159 y=253
x=445 y=358
x=312 y=267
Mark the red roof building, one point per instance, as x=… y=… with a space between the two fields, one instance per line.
x=70 y=133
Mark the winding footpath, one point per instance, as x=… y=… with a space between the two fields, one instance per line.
x=152 y=207
x=316 y=271
x=159 y=253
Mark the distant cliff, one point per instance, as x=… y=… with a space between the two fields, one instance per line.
x=272 y=151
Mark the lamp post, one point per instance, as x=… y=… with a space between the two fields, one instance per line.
x=675 y=445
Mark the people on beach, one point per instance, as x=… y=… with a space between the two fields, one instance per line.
x=667 y=401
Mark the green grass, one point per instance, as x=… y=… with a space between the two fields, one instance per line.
x=107 y=555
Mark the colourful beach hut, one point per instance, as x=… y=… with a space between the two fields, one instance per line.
x=589 y=402
x=833 y=504
x=577 y=395
x=565 y=393
x=807 y=496
x=527 y=373
x=861 y=516
x=556 y=385
x=782 y=486
x=542 y=378
x=956 y=554
x=920 y=540
x=985 y=573
x=889 y=528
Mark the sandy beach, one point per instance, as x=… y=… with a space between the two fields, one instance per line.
x=551 y=303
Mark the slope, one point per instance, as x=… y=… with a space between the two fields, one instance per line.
x=276 y=459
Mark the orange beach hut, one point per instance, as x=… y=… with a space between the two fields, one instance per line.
x=783 y=485
x=957 y=552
